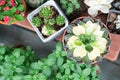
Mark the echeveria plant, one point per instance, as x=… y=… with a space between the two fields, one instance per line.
x=86 y=40
x=98 y=5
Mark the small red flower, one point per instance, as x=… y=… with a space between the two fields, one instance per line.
x=2 y=2
x=13 y=2
x=6 y=8
x=17 y=12
x=6 y=19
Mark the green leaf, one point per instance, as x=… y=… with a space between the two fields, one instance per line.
x=2 y=77
x=18 y=17
x=7 y=13
x=20 y=8
x=16 y=52
x=42 y=77
x=20 y=60
x=76 y=75
x=18 y=70
x=13 y=10
x=1 y=57
x=1 y=16
x=47 y=72
x=63 y=53
x=60 y=62
x=17 y=78
x=86 y=72
x=35 y=66
x=58 y=76
x=59 y=46
x=27 y=77
x=77 y=6
x=2 y=50
x=67 y=71
x=51 y=60
x=78 y=68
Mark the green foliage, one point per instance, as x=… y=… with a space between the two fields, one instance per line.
x=70 y=5
x=46 y=12
x=20 y=8
x=20 y=64
x=36 y=21
x=60 y=20
x=15 y=62
x=18 y=17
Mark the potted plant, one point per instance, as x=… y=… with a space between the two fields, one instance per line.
x=86 y=40
x=12 y=11
x=48 y=21
x=113 y=26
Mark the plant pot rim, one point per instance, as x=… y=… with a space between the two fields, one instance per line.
x=79 y=18
x=23 y=1
x=57 y=33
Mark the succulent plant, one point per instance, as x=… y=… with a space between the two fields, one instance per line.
x=60 y=20
x=36 y=21
x=47 y=30
x=46 y=12
x=70 y=5
x=51 y=21
x=34 y=3
x=86 y=40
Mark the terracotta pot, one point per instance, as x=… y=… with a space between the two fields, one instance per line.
x=114 y=49
x=23 y=1
x=104 y=56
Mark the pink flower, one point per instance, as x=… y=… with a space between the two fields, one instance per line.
x=17 y=12
x=6 y=19
x=2 y=2
x=6 y=8
x=13 y=2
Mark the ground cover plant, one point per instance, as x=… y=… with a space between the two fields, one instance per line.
x=21 y=64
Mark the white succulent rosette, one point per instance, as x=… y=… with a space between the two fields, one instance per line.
x=87 y=40
x=98 y=5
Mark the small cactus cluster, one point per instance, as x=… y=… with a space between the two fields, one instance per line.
x=70 y=5
x=47 y=19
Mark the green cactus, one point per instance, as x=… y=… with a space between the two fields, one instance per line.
x=46 y=12
x=60 y=20
x=36 y=21
x=51 y=21
x=69 y=10
x=47 y=30
x=70 y=5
